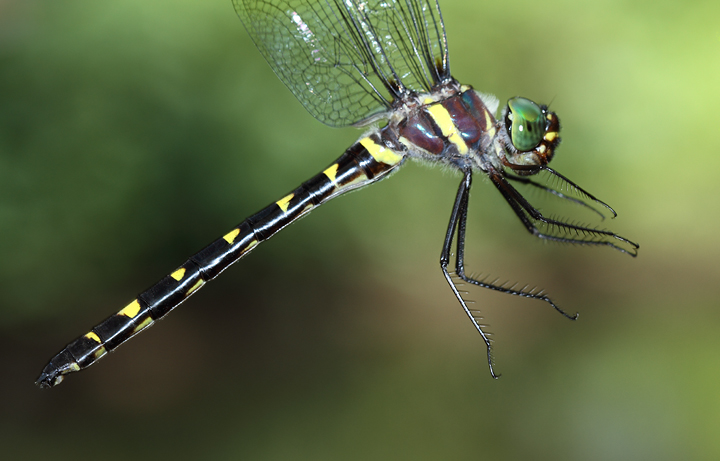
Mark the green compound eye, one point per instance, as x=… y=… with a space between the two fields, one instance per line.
x=526 y=124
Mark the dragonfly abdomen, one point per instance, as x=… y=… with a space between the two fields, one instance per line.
x=365 y=162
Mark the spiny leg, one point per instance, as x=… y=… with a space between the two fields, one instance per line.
x=527 y=213
x=557 y=193
x=460 y=270
x=578 y=189
x=532 y=169
x=459 y=212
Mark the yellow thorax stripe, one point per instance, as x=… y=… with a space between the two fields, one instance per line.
x=443 y=120
x=489 y=124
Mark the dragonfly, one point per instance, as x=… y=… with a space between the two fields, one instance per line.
x=383 y=65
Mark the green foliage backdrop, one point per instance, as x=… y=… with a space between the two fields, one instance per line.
x=133 y=133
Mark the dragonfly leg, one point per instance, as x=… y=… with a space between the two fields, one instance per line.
x=557 y=193
x=459 y=215
x=583 y=235
x=503 y=288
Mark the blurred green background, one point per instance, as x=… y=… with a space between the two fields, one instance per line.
x=133 y=133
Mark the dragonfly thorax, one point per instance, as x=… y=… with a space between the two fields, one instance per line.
x=452 y=124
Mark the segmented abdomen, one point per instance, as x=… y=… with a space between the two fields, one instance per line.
x=365 y=162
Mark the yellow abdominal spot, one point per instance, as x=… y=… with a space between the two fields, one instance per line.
x=359 y=180
x=380 y=153
x=331 y=172
x=249 y=247
x=178 y=274
x=284 y=202
x=131 y=310
x=230 y=236
x=195 y=287
x=94 y=337
x=99 y=352
x=142 y=324
x=444 y=122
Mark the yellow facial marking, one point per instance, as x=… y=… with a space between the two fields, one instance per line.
x=131 y=310
x=178 y=274
x=195 y=287
x=94 y=337
x=230 y=236
x=551 y=135
x=145 y=323
x=331 y=172
x=284 y=202
x=380 y=153
x=444 y=122
x=541 y=148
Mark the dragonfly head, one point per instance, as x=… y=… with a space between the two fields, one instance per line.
x=530 y=135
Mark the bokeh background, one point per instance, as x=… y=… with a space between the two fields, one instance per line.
x=133 y=133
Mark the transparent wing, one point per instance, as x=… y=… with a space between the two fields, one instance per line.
x=347 y=60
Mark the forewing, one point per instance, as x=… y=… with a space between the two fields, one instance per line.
x=346 y=61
